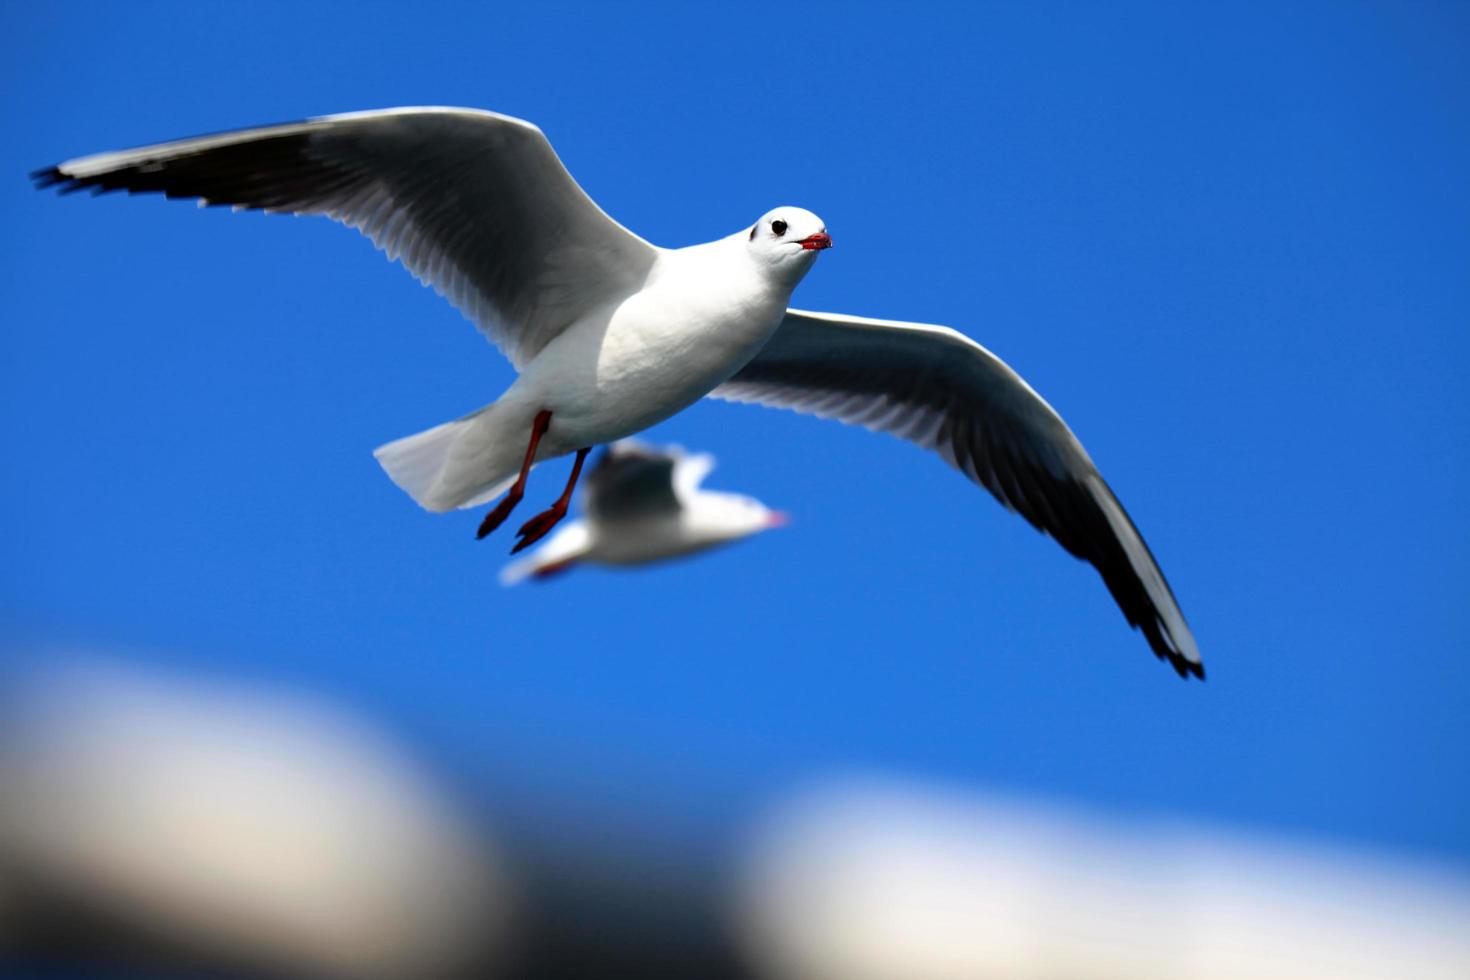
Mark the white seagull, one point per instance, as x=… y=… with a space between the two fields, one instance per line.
x=641 y=504
x=611 y=334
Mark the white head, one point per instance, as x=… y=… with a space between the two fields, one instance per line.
x=714 y=517
x=787 y=240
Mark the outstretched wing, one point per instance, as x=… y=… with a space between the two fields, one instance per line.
x=473 y=203
x=935 y=387
x=631 y=482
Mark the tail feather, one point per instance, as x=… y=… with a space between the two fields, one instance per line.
x=415 y=462
x=449 y=466
x=567 y=546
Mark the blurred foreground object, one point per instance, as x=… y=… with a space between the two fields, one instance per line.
x=873 y=883
x=203 y=825
x=157 y=826
x=643 y=504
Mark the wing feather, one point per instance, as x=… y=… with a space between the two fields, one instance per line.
x=937 y=388
x=631 y=483
x=475 y=204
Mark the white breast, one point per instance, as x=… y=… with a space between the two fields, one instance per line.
x=702 y=315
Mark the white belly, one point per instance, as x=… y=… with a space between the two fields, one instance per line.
x=647 y=541
x=632 y=366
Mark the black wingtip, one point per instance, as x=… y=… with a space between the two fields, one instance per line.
x=1186 y=668
x=64 y=183
x=48 y=177
x=1182 y=665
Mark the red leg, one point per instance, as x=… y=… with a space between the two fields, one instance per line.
x=555 y=568
x=535 y=529
x=508 y=503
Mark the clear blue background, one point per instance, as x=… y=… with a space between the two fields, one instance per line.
x=1232 y=247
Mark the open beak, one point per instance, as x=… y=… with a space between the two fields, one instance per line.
x=820 y=240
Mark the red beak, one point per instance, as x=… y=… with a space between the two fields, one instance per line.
x=777 y=518
x=820 y=240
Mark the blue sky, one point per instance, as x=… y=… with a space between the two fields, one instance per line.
x=1232 y=247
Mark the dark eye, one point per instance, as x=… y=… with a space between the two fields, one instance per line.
x=778 y=227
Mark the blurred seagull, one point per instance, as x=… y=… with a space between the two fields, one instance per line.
x=643 y=504
x=611 y=334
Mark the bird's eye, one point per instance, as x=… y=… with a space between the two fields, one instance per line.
x=778 y=227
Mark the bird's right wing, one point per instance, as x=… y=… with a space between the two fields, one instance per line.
x=938 y=388
x=631 y=482
x=474 y=203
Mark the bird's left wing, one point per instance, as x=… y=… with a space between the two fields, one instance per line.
x=935 y=387
x=474 y=203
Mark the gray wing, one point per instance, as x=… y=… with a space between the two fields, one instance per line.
x=473 y=203
x=936 y=387
x=631 y=482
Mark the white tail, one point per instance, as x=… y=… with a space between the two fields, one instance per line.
x=451 y=465
x=566 y=546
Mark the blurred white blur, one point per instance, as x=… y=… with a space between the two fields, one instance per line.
x=230 y=825
x=190 y=826
x=876 y=881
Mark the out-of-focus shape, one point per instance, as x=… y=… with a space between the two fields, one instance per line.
x=643 y=504
x=204 y=825
x=865 y=882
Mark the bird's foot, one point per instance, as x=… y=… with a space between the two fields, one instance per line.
x=555 y=568
x=513 y=496
x=535 y=529
x=497 y=516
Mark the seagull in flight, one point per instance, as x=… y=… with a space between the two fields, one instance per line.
x=641 y=504
x=610 y=334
